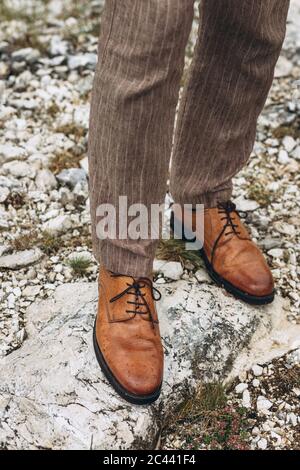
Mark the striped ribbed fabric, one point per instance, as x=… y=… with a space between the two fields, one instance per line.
x=135 y=93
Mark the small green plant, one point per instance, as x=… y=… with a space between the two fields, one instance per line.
x=207 y=420
x=260 y=194
x=64 y=160
x=292 y=130
x=53 y=110
x=73 y=130
x=174 y=250
x=79 y=265
x=209 y=397
x=25 y=241
x=49 y=243
x=15 y=199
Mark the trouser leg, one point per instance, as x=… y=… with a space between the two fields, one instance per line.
x=232 y=70
x=135 y=92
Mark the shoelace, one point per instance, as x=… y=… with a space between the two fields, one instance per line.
x=227 y=208
x=135 y=288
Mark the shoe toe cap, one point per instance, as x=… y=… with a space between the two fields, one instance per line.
x=138 y=372
x=255 y=280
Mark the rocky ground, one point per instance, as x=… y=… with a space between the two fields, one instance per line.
x=260 y=411
x=47 y=60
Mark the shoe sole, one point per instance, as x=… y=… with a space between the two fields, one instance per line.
x=221 y=282
x=130 y=397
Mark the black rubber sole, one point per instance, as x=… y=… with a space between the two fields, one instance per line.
x=130 y=397
x=221 y=282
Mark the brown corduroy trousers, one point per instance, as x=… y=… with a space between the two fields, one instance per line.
x=141 y=57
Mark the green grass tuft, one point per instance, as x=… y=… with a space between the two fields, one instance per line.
x=79 y=265
x=174 y=250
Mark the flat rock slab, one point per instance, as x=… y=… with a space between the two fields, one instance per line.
x=20 y=259
x=53 y=394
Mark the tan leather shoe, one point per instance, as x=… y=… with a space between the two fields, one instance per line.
x=126 y=337
x=232 y=259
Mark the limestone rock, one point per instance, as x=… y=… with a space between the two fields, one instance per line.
x=20 y=259
x=4 y=193
x=57 y=225
x=71 y=177
x=53 y=394
x=170 y=269
x=257 y=370
x=283 y=67
x=18 y=169
x=45 y=180
x=10 y=152
x=263 y=404
x=28 y=54
x=82 y=60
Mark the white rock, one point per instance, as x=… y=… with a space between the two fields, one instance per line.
x=45 y=180
x=292 y=418
x=263 y=404
x=31 y=274
x=72 y=176
x=3 y=249
x=10 y=152
x=81 y=115
x=276 y=436
x=255 y=383
x=257 y=370
x=10 y=182
x=57 y=225
x=262 y=443
x=11 y=301
x=293 y=358
x=3 y=221
x=58 y=46
x=170 y=269
x=28 y=54
x=285 y=228
x=23 y=80
x=4 y=193
x=273 y=186
x=246 y=399
x=283 y=67
x=82 y=60
x=241 y=387
x=58 y=268
x=266 y=427
x=296 y=153
x=18 y=169
x=84 y=164
x=283 y=157
x=289 y=143
x=268 y=243
x=202 y=276
x=17 y=291
x=246 y=205
x=255 y=431
x=69 y=395
x=20 y=259
x=31 y=291
x=276 y=253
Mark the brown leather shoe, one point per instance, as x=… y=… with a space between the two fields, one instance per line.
x=232 y=259
x=126 y=337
